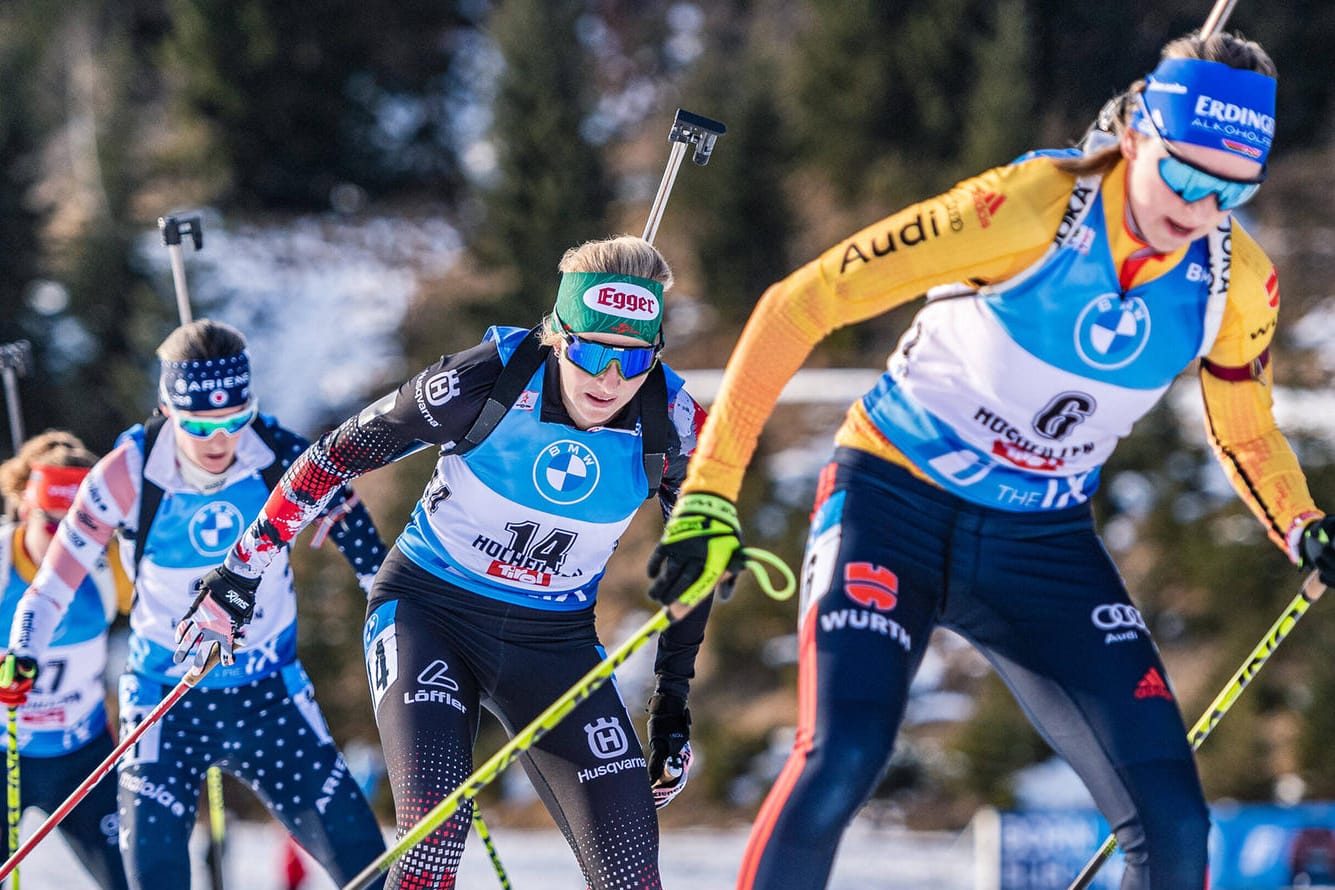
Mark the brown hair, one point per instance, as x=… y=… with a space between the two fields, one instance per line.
x=1233 y=50
x=55 y=448
x=200 y=340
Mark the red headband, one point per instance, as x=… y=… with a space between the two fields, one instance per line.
x=51 y=489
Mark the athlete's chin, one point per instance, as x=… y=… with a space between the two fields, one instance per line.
x=597 y=412
x=595 y=418
x=214 y=465
x=1169 y=236
x=1167 y=242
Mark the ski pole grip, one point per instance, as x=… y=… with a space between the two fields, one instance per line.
x=195 y=674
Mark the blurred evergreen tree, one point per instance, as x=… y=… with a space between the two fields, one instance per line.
x=997 y=123
x=737 y=214
x=24 y=30
x=301 y=98
x=551 y=190
x=87 y=326
x=883 y=89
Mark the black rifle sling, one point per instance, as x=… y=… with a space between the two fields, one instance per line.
x=527 y=358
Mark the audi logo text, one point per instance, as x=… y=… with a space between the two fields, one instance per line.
x=1111 y=616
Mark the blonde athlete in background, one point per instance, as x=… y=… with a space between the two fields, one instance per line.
x=550 y=440
x=1066 y=292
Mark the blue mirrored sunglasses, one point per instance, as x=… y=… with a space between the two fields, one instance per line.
x=593 y=358
x=204 y=427
x=1191 y=183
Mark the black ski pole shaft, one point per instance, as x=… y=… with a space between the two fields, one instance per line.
x=15 y=361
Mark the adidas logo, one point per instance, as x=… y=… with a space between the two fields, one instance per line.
x=1152 y=685
x=986 y=204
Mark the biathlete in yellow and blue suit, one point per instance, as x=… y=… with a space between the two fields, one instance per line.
x=1065 y=293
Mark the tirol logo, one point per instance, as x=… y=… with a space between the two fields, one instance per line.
x=566 y=472
x=623 y=299
x=215 y=528
x=606 y=738
x=1112 y=331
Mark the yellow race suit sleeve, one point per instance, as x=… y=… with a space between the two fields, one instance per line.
x=1236 y=378
x=984 y=229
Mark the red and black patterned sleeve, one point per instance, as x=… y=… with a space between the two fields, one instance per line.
x=687 y=419
x=434 y=407
x=678 y=645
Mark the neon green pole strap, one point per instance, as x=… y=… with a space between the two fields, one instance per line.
x=758 y=560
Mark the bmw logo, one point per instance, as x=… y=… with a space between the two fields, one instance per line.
x=566 y=472
x=215 y=528
x=1111 y=331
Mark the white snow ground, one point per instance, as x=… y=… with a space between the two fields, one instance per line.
x=699 y=859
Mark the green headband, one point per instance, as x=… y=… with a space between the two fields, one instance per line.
x=610 y=303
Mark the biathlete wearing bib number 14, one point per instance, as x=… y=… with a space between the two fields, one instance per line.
x=487 y=597
x=1065 y=293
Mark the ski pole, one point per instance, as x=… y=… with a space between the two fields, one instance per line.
x=687 y=129
x=185 y=685
x=485 y=834
x=756 y=559
x=172 y=229
x=1311 y=592
x=1218 y=17
x=15 y=360
x=217 y=826
x=15 y=805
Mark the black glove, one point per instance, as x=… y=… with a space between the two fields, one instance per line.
x=224 y=604
x=700 y=546
x=1316 y=550
x=17 y=674
x=669 y=747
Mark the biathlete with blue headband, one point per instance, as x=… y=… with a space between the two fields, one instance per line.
x=550 y=439
x=181 y=489
x=1065 y=292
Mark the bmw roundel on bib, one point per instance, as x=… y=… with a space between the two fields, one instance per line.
x=566 y=472
x=215 y=527
x=1110 y=332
